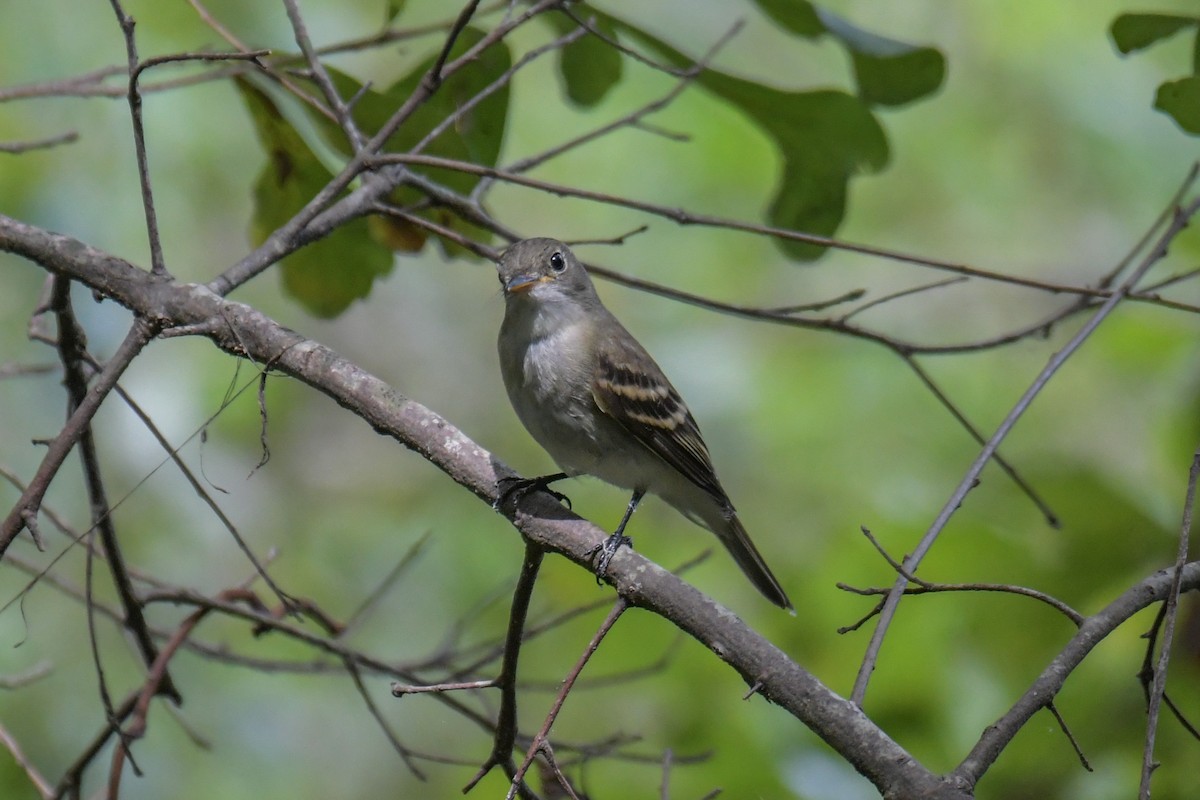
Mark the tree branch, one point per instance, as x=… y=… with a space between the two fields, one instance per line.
x=138 y=337
x=244 y=331
x=969 y=480
x=1094 y=629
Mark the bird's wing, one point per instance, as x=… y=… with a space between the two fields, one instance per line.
x=631 y=389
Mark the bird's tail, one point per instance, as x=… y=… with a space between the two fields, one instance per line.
x=738 y=543
x=721 y=519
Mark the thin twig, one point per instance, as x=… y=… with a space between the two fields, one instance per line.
x=664 y=790
x=39 y=782
x=401 y=749
x=39 y=144
x=79 y=86
x=944 y=399
x=134 y=97
x=686 y=78
x=1095 y=629
x=970 y=479
x=372 y=599
x=506 y=723
x=540 y=739
x=683 y=217
x=110 y=714
x=500 y=82
x=590 y=27
x=136 y=728
x=300 y=228
x=138 y=337
x=1062 y=724
x=341 y=110
x=402 y=689
x=931 y=587
x=72 y=353
x=887 y=298
x=619 y=239
x=1162 y=219
x=1171 y=607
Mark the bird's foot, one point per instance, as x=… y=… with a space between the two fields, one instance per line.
x=603 y=553
x=514 y=488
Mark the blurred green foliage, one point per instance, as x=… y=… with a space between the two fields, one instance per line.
x=1040 y=155
x=1178 y=98
x=332 y=272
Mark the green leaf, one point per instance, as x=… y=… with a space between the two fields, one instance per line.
x=796 y=16
x=824 y=137
x=589 y=66
x=1181 y=99
x=475 y=136
x=888 y=72
x=899 y=79
x=392 y=9
x=1132 y=32
x=329 y=274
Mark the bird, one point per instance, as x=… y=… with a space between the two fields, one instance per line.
x=599 y=405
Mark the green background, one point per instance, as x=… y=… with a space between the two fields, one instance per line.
x=1041 y=156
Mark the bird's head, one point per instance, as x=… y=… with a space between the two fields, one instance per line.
x=543 y=270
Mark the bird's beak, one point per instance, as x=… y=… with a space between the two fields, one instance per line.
x=519 y=284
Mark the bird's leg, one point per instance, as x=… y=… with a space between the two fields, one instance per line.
x=609 y=547
x=519 y=487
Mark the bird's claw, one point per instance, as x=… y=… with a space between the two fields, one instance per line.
x=518 y=487
x=603 y=553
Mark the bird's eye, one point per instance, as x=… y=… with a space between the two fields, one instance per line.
x=558 y=263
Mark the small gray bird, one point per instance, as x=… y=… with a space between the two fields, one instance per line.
x=596 y=401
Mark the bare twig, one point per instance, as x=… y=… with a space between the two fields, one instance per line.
x=110 y=714
x=372 y=599
x=341 y=111
x=930 y=587
x=506 y=724
x=81 y=85
x=664 y=790
x=32 y=675
x=141 y=708
x=1171 y=607
x=541 y=738
x=1047 y=512
x=134 y=97
x=887 y=298
x=924 y=586
x=402 y=689
x=1147 y=672
x=501 y=81
x=300 y=228
x=612 y=240
x=590 y=27
x=19 y=370
x=434 y=75
x=39 y=782
x=686 y=78
x=683 y=217
x=406 y=755
x=39 y=144
x=138 y=337
x=72 y=351
x=986 y=454
x=1094 y=630
x=1062 y=724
